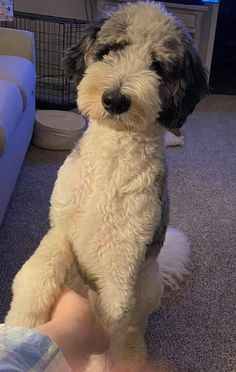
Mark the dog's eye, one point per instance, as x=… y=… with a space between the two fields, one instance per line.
x=158 y=68
x=106 y=49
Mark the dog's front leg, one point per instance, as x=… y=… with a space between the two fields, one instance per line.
x=116 y=295
x=38 y=283
x=114 y=303
x=115 y=313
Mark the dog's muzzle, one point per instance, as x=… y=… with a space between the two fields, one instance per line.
x=115 y=102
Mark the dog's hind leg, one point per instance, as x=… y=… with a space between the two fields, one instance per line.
x=38 y=283
x=169 y=269
x=149 y=292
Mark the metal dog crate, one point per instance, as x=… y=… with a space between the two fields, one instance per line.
x=52 y=36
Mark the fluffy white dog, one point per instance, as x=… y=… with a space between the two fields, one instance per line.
x=137 y=72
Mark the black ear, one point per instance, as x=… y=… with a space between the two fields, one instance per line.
x=185 y=87
x=74 y=61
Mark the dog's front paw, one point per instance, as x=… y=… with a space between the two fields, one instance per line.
x=31 y=301
x=22 y=319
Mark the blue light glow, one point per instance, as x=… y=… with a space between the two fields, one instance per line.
x=211 y=1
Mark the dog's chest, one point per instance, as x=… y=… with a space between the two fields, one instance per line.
x=105 y=175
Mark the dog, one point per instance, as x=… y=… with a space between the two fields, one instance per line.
x=137 y=72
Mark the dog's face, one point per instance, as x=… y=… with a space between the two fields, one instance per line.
x=137 y=66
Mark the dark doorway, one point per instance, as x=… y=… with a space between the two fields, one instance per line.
x=223 y=71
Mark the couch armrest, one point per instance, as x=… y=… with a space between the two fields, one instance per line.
x=18 y=43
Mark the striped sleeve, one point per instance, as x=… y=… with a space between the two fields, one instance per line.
x=22 y=350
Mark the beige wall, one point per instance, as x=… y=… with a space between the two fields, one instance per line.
x=58 y=8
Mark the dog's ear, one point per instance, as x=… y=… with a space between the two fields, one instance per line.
x=74 y=61
x=184 y=88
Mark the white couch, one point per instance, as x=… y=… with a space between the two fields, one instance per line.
x=17 y=106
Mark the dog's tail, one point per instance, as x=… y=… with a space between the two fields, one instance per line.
x=174 y=258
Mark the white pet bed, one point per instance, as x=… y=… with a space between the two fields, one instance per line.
x=57 y=130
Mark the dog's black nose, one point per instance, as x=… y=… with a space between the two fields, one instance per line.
x=115 y=102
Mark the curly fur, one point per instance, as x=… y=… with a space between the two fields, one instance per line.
x=109 y=207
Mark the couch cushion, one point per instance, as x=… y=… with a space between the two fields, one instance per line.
x=20 y=71
x=11 y=108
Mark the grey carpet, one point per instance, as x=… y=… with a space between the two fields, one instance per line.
x=194 y=330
